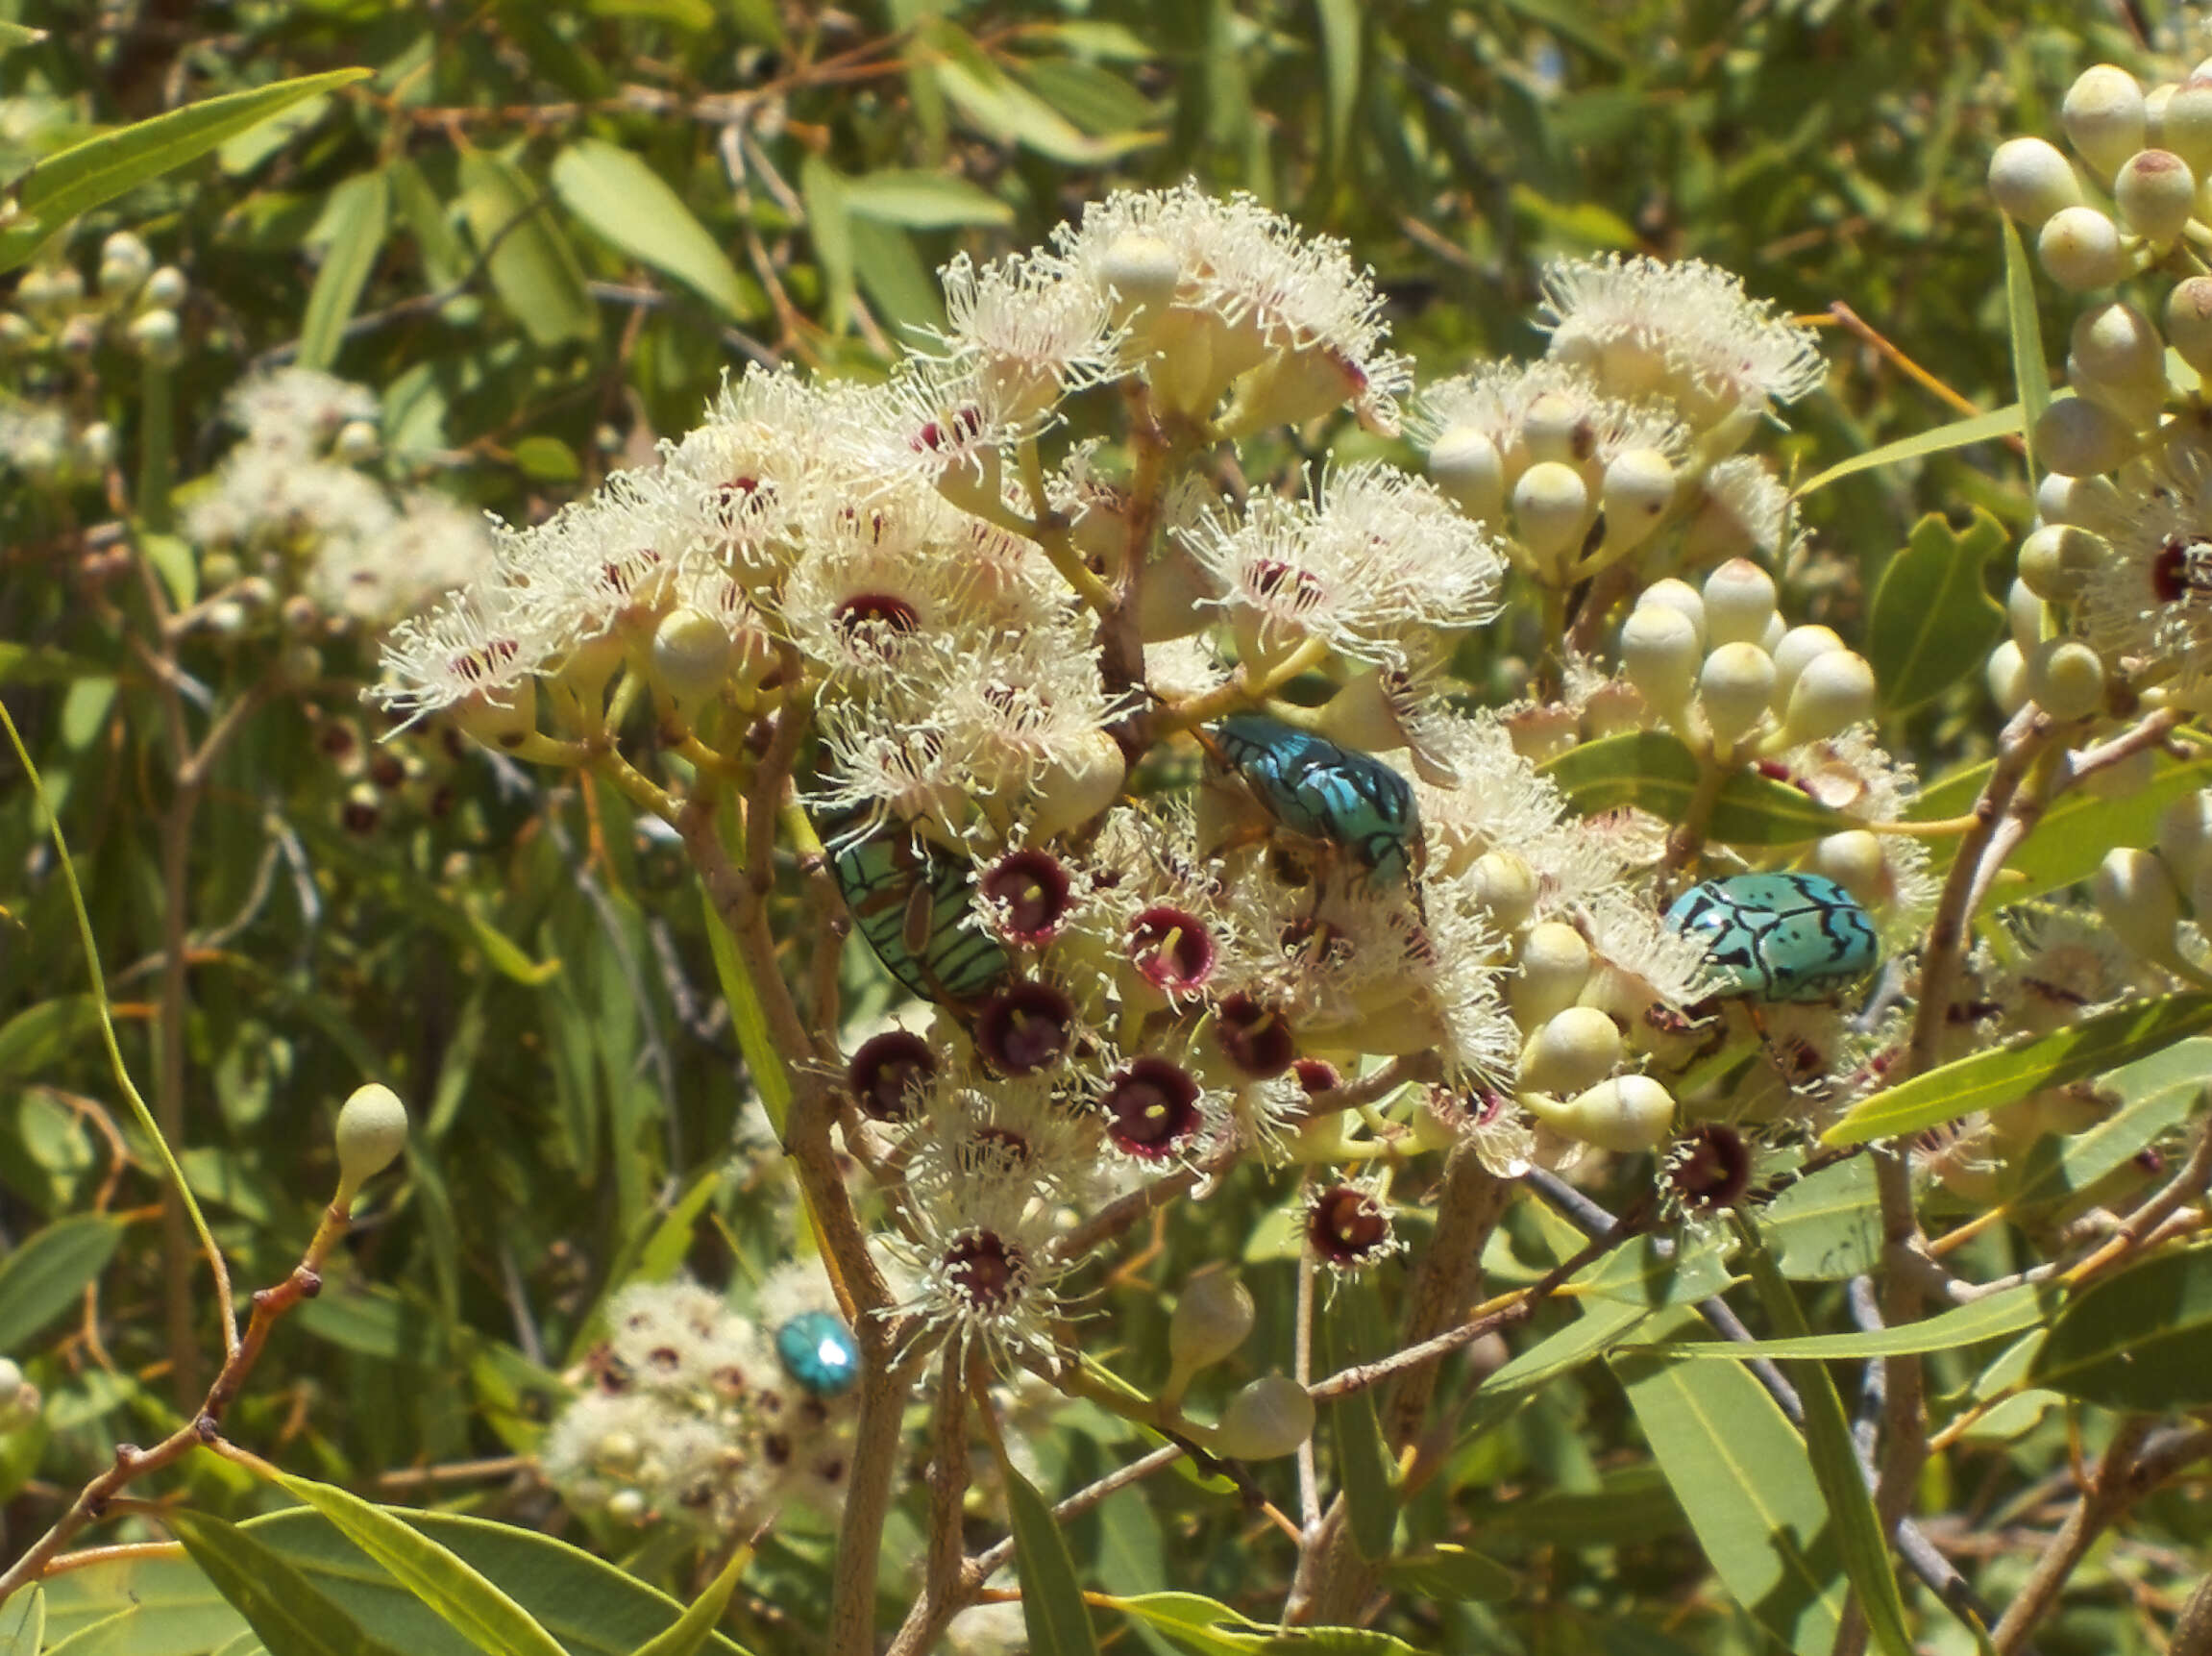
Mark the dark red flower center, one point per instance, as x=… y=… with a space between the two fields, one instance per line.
x=1254 y=1036
x=1031 y=890
x=1347 y=1225
x=1151 y=1108
x=1026 y=1027
x=1173 y=949
x=888 y=1070
x=984 y=1270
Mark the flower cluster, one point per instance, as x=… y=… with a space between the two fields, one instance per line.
x=692 y=1413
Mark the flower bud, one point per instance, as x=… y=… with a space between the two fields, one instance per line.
x=1627 y=1113
x=124 y=263
x=1270 y=1417
x=2082 y=438
x=1551 y=513
x=1794 y=651
x=1635 y=493
x=2080 y=249
x=2185 y=124
x=1855 y=861
x=2137 y=898
x=1554 y=963
x=372 y=1130
x=2007 y=678
x=2116 y=357
x=2086 y=503
x=2066 y=678
x=2189 y=322
x=2155 y=194
x=357 y=442
x=1738 y=602
x=1735 y=689
x=1505 y=884
x=1673 y=594
x=166 y=288
x=2184 y=831
x=1574 y=1050
x=1212 y=1318
x=1466 y=466
x=1834 y=692
x=2029 y=181
x=96 y=446
x=1661 y=655
x=2102 y=115
x=1142 y=271
x=690 y=658
x=156 y=336
x=2025 y=611
x=1078 y=785
x=2057 y=559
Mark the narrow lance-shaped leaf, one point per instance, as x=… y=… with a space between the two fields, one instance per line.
x=23 y=1622
x=624 y=200
x=358 y=212
x=287 y=1613
x=1052 y=1608
x=2004 y=1074
x=1998 y=423
x=2030 y=374
x=41 y=1280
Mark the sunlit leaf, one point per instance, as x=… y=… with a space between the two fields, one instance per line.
x=625 y=201
x=533 y=266
x=286 y=1612
x=1657 y=773
x=1933 y=619
x=1974 y=429
x=354 y=224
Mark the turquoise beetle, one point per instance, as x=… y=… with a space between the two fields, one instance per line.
x=1778 y=937
x=914 y=900
x=819 y=1352
x=1326 y=792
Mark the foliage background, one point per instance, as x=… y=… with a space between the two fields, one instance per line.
x=541 y=231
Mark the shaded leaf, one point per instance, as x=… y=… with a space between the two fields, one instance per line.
x=762 y=1060
x=1933 y=620
x=821 y=190
x=532 y=267
x=1353 y=1327
x=286 y=1612
x=2157 y=1094
x=99 y=169
x=1340 y=21
x=1654 y=771
x=23 y=1622
x=689 y=1633
x=358 y=212
x=1452 y=1574
x=39 y=1035
x=1052 y=1608
x=633 y=206
x=2004 y=1075
x=548 y=460
x=40 y=1280
x=42 y=665
x=2139 y=1339
x=1004 y=110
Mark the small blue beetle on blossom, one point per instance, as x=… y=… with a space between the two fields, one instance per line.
x=819 y=1352
x=1778 y=937
x=1326 y=792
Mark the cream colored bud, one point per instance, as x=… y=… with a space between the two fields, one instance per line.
x=1739 y=602
x=2029 y=180
x=1551 y=513
x=1854 y=860
x=2082 y=438
x=2086 y=503
x=2184 y=831
x=1079 y=785
x=356 y=443
x=1735 y=690
x=2116 y=357
x=1268 y=1419
x=1626 y=1114
x=2007 y=678
x=1574 y=1050
x=1466 y=466
x=1661 y=655
x=2102 y=114
x=2189 y=322
x=372 y=1131
x=2125 y=780
x=1505 y=884
x=2138 y=900
x=2025 y=613
x=1142 y=271
x=2066 y=678
x=1635 y=493
x=1673 y=594
x=156 y=336
x=1834 y=692
x=1794 y=650
x=2155 y=193
x=690 y=658
x=1212 y=1318
x=2185 y=124
x=2080 y=249
x=1554 y=963
x=166 y=286
x=2057 y=559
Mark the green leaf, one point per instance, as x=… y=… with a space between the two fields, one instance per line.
x=99 y=169
x=1052 y=1607
x=2004 y=1075
x=461 y=1595
x=1452 y=1574
x=14 y=35
x=902 y=288
x=444 y=262
x=42 y=665
x=690 y=1631
x=506 y=957
x=761 y=1057
x=534 y=268
x=1974 y=429
x=1834 y=1460
x=1654 y=771
x=40 y=1280
x=1340 y=21
x=23 y=1622
x=1632 y=1505
x=1826 y=1228
x=633 y=206
x=1007 y=111
x=548 y=460
x=822 y=192
x=2157 y=1095
x=286 y=1612
x=1649 y=1274
x=1213 y=1629
x=1352 y=1326
x=1747 y=1484
x=355 y=221
x=39 y=1035
x=2140 y=1339
x=1933 y=619
x=916 y=200
x=2031 y=372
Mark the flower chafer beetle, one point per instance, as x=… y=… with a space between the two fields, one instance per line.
x=1778 y=937
x=819 y=1352
x=1326 y=792
x=914 y=902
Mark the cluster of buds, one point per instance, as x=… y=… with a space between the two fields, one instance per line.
x=2156 y=901
x=693 y=1413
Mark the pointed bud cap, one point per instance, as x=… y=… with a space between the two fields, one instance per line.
x=372 y=1131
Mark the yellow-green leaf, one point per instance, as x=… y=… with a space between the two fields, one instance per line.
x=2003 y=422
x=1052 y=1608
x=358 y=212
x=2031 y=373
x=532 y=267
x=1933 y=619
x=2140 y=1339
x=626 y=201
x=23 y=1622
x=690 y=1631
x=287 y=1613
x=1654 y=771
x=40 y=1280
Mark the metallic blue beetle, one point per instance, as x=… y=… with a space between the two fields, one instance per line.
x=819 y=1352
x=1326 y=792
x=1779 y=936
